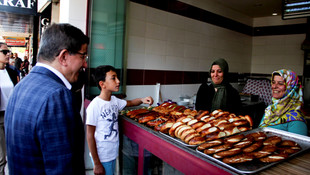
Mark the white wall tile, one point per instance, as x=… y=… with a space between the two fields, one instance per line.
x=173 y=63
x=175 y=49
x=192 y=38
x=155 y=31
x=153 y=46
x=154 y=61
x=137 y=11
x=190 y=64
x=136 y=44
x=175 y=35
x=137 y=28
x=156 y=16
x=136 y=60
x=191 y=51
x=138 y=91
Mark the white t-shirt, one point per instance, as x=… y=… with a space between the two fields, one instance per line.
x=6 y=90
x=104 y=115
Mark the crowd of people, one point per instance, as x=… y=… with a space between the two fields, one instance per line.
x=41 y=130
x=21 y=66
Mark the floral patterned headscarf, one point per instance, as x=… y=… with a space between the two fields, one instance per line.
x=287 y=108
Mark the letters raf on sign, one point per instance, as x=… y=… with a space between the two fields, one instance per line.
x=26 y=7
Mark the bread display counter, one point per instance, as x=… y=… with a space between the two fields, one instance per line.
x=184 y=159
x=188 y=160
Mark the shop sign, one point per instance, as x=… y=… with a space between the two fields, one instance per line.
x=15 y=41
x=26 y=7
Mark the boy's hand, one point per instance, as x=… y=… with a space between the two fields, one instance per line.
x=147 y=100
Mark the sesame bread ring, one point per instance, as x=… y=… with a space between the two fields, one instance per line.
x=166 y=127
x=217 y=149
x=210 y=144
x=205 y=126
x=186 y=132
x=178 y=128
x=274 y=158
x=234 y=138
x=178 y=131
x=173 y=128
x=187 y=119
x=197 y=125
x=289 y=150
x=240 y=158
x=258 y=136
x=181 y=118
x=224 y=126
x=273 y=140
x=209 y=131
x=269 y=148
x=240 y=122
x=243 y=143
x=253 y=147
x=232 y=130
x=197 y=140
x=288 y=143
x=201 y=114
x=190 y=136
x=192 y=122
x=187 y=111
x=227 y=153
x=260 y=154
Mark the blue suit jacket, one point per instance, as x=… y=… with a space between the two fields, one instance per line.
x=44 y=133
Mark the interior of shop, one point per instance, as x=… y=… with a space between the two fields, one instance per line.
x=164 y=49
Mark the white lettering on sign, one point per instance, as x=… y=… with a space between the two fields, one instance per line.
x=19 y=3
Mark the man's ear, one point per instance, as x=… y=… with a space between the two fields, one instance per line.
x=63 y=57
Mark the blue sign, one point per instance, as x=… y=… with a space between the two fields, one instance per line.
x=26 y=7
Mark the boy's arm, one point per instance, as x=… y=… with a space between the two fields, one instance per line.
x=135 y=102
x=98 y=168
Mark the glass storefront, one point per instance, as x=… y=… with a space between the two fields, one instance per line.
x=106 y=31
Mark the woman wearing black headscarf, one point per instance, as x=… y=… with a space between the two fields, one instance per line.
x=219 y=94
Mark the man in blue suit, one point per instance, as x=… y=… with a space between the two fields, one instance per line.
x=43 y=127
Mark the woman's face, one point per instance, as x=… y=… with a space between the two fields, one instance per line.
x=4 y=58
x=278 y=87
x=217 y=75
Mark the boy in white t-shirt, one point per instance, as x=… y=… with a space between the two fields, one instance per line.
x=102 y=120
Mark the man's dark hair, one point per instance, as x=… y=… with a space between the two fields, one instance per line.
x=58 y=37
x=101 y=72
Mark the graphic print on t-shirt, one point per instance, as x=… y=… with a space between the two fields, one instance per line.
x=110 y=116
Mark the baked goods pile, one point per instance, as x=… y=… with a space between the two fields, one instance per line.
x=190 y=126
x=244 y=148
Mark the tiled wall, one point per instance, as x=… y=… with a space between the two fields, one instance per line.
x=275 y=52
x=271 y=53
x=159 y=40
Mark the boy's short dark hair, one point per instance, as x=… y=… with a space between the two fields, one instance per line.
x=101 y=72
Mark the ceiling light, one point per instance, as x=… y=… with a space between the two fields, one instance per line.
x=274 y=14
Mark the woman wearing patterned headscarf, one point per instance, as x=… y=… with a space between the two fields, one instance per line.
x=284 y=113
x=219 y=94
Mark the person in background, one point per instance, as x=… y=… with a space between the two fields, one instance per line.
x=18 y=63
x=219 y=94
x=102 y=120
x=43 y=127
x=12 y=59
x=25 y=66
x=8 y=79
x=287 y=99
